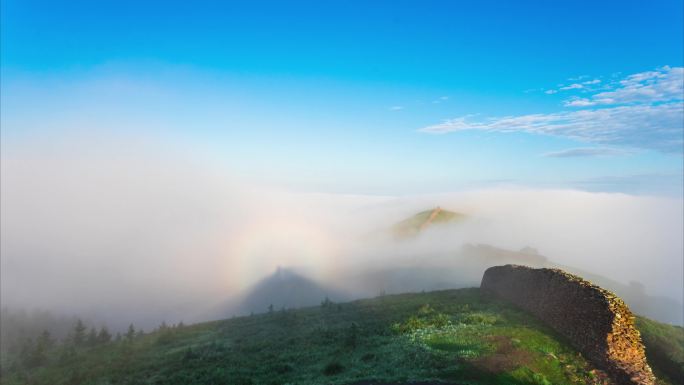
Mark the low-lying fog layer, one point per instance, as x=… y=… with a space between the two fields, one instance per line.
x=126 y=232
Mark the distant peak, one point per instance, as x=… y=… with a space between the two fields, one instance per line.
x=284 y=273
x=414 y=225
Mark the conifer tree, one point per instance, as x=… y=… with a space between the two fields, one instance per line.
x=45 y=340
x=104 y=336
x=26 y=349
x=78 y=335
x=43 y=344
x=91 y=340
x=130 y=334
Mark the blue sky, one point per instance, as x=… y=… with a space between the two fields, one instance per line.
x=395 y=97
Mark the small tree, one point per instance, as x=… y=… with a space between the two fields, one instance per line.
x=130 y=334
x=78 y=335
x=44 y=343
x=270 y=308
x=91 y=340
x=26 y=353
x=352 y=335
x=45 y=340
x=66 y=354
x=326 y=302
x=104 y=336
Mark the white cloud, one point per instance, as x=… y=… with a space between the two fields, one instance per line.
x=656 y=127
x=578 y=78
x=396 y=108
x=664 y=84
x=550 y=92
x=589 y=82
x=574 y=86
x=586 y=152
x=645 y=111
x=578 y=102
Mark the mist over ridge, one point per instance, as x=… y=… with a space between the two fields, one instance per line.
x=147 y=233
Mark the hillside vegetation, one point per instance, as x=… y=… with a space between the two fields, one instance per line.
x=412 y=226
x=664 y=348
x=452 y=336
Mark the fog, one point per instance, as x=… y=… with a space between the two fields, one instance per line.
x=124 y=230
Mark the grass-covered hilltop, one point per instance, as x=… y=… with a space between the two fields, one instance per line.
x=413 y=225
x=452 y=337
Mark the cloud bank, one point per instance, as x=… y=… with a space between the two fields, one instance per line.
x=137 y=231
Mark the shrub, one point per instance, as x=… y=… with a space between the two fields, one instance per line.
x=368 y=357
x=480 y=319
x=333 y=368
x=425 y=310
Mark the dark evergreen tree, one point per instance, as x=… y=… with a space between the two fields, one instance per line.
x=130 y=334
x=33 y=354
x=104 y=336
x=26 y=350
x=78 y=335
x=44 y=343
x=66 y=354
x=326 y=302
x=91 y=340
x=45 y=340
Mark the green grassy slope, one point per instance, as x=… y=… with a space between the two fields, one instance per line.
x=454 y=336
x=664 y=348
x=412 y=226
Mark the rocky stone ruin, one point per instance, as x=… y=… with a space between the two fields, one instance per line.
x=594 y=320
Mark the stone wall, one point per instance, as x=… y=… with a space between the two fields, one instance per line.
x=594 y=320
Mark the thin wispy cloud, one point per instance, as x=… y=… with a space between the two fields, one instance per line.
x=578 y=78
x=585 y=86
x=662 y=85
x=669 y=183
x=396 y=108
x=644 y=111
x=574 y=86
x=586 y=152
x=578 y=102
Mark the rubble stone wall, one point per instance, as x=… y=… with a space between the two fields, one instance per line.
x=594 y=320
